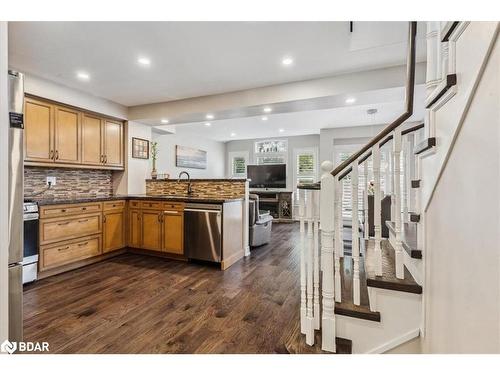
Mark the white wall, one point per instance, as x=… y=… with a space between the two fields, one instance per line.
x=294 y=142
x=138 y=169
x=50 y=90
x=462 y=226
x=4 y=178
x=216 y=155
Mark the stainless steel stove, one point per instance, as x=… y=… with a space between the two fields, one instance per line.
x=30 y=253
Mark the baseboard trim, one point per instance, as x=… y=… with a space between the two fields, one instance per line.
x=395 y=342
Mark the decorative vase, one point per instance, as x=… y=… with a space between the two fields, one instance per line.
x=154 y=173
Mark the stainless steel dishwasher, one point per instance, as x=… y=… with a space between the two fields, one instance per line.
x=203 y=231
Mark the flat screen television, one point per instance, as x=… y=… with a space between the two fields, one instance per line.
x=268 y=176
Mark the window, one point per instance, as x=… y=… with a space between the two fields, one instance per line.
x=238 y=164
x=305 y=169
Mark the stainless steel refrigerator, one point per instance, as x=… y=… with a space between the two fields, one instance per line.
x=16 y=180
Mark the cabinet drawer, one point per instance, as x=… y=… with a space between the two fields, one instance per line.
x=53 y=230
x=152 y=204
x=173 y=206
x=69 y=252
x=69 y=209
x=114 y=205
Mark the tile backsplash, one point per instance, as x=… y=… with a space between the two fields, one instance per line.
x=209 y=188
x=69 y=182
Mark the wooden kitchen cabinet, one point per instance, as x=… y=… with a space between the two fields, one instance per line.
x=38 y=131
x=151 y=230
x=91 y=140
x=113 y=226
x=66 y=135
x=113 y=143
x=135 y=229
x=63 y=136
x=173 y=231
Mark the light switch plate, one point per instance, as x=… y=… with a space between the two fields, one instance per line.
x=51 y=180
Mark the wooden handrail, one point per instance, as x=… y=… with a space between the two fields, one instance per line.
x=410 y=87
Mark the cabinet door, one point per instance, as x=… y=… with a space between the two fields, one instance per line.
x=92 y=148
x=151 y=230
x=114 y=233
x=67 y=135
x=135 y=229
x=113 y=143
x=38 y=131
x=173 y=232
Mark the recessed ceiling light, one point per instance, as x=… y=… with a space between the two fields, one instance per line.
x=287 y=61
x=281 y=130
x=164 y=121
x=233 y=134
x=264 y=118
x=83 y=76
x=350 y=100
x=209 y=116
x=144 y=61
x=208 y=124
x=267 y=109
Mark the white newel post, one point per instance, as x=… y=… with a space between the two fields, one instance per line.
x=377 y=214
x=309 y=268
x=339 y=242
x=397 y=208
x=302 y=209
x=355 y=233
x=327 y=197
x=315 y=202
x=366 y=227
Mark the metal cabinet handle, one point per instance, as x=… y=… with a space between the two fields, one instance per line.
x=63 y=248
x=57 y=154
x=51 y=154
x=66 y=223
x=83 y=221
x=105 y=159
x=83 y=244
x=63 y=210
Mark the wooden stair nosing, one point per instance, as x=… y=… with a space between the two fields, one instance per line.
x=388 y=279
x=409 y=246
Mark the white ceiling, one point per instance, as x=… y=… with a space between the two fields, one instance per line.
x=190 y=59
x=307 y=122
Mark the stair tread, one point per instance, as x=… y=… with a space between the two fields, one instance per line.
x=347 y=306
x=388 y=280
x=296 y=343
x=408 y=238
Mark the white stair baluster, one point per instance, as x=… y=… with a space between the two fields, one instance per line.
x=315 y=202
x=309 y=268
x=406 y=183
x=355 y=232
x=340 y=222
x=327 y=220
x=377 y=214
x=338 y=237
x=391 y=172
x=397 y=207
x=302 y=262
x=366 y=227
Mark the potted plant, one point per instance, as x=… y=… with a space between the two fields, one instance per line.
x=154 y=156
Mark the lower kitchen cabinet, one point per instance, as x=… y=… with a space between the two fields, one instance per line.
x=151 y=230
x=173 y=232
x=63 y=253
x=113 y=231
x=135 y=229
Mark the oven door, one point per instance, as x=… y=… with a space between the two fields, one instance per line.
x=30 y=239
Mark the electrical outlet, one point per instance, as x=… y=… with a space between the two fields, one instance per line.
x=51 y=180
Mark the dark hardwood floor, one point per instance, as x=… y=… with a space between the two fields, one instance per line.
x=141 y=304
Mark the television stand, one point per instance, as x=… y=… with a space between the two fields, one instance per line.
x=278 y=202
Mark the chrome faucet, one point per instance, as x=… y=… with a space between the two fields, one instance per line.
x=189 y=190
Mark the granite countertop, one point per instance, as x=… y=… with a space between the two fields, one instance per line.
x=77 y=199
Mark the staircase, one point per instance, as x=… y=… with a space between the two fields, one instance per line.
x=372 y=297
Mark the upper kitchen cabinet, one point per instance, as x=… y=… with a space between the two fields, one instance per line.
x=64 y=136
x=113 y=143
x=38 y=131
x=92 y=140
